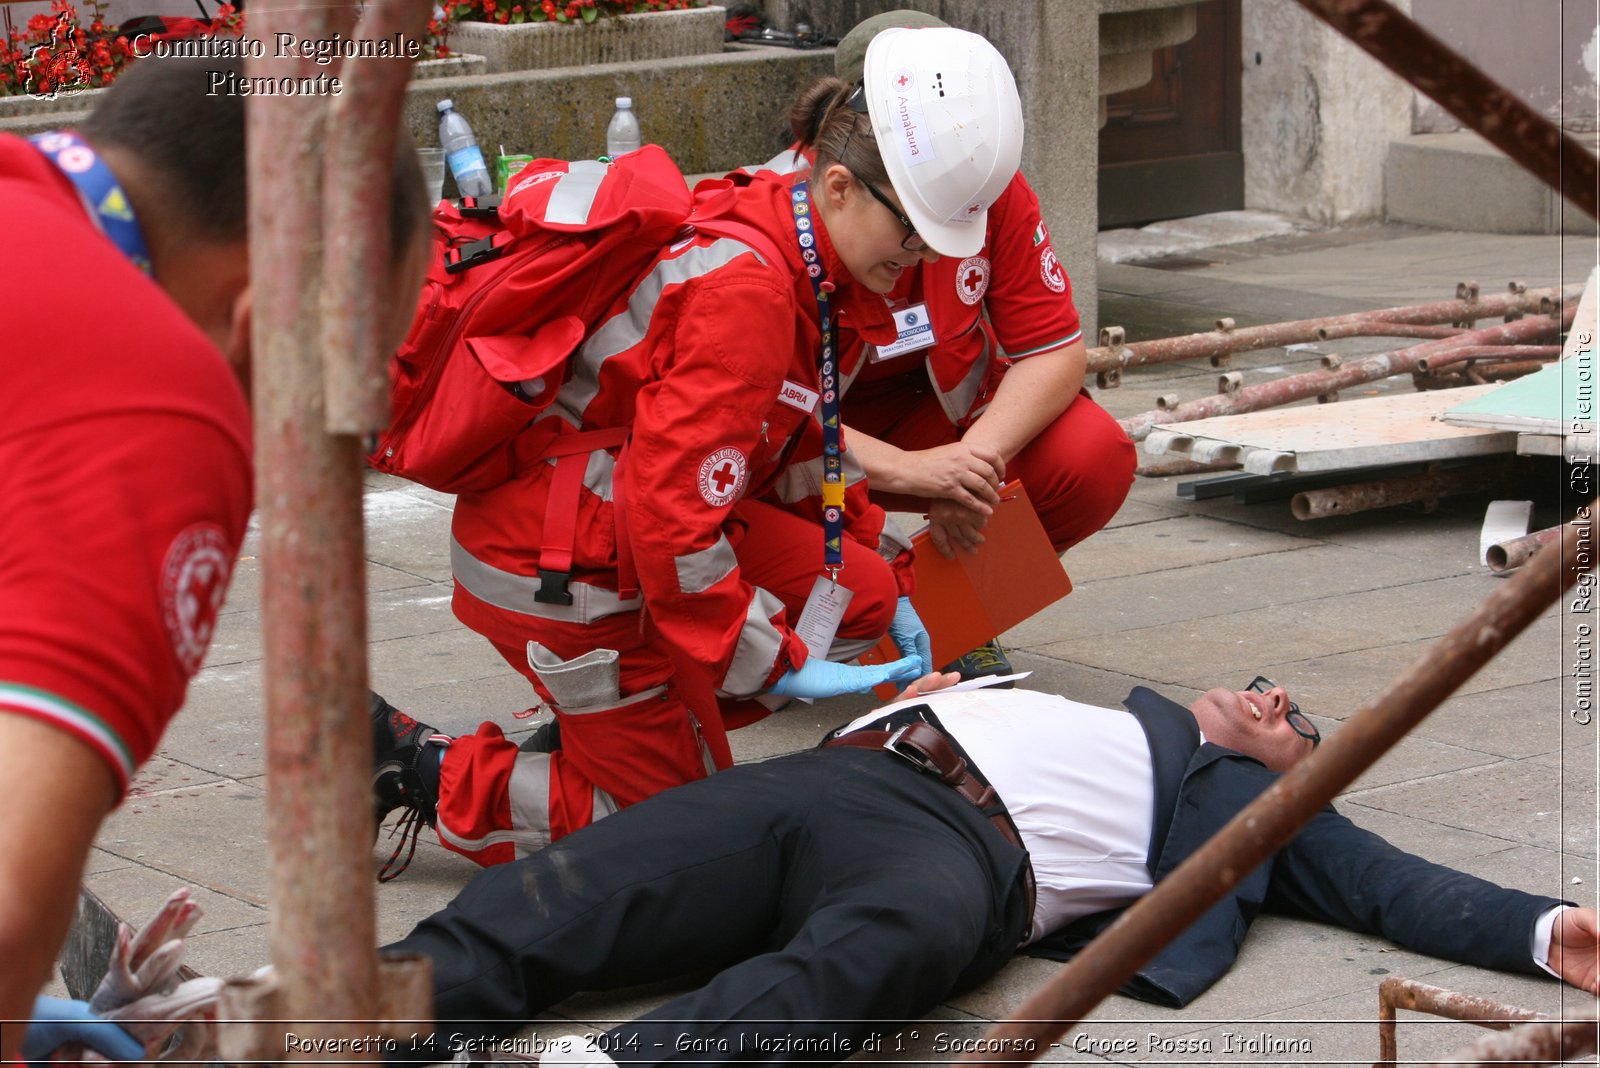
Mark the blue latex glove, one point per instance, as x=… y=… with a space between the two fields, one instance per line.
x=57 y=1021
x=824 y=678
x=911 y=636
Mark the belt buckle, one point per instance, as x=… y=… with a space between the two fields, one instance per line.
x=915 y=757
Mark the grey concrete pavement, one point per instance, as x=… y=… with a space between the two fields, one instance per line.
x=1174 y=594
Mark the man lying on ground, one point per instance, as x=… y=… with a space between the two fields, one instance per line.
x=877 y=875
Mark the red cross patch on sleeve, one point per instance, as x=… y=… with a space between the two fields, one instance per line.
x=722 y=476
x=194 y=580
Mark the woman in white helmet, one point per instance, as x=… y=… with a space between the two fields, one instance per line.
x=758 y=565
x=984 y=382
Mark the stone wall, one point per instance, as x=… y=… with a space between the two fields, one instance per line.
x=1317 y=114
x=711 y=113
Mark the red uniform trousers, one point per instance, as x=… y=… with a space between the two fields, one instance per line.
x=1078 y=470
x=497 y=803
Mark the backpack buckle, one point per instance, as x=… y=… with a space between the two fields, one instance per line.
x=471 y=255
x=480 y=207
x=553 y=587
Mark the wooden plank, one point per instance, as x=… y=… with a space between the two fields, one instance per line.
x=1366 y=433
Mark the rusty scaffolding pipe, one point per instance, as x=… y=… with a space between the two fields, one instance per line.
x=1514 y=552
x=1267 y=823
x=1381 y=323
x=1530 y=1045
x=1320 y=383
x=1488 y=354
x=1386 y=493
x=1397 y=993
x=326 y=975
x=1505 y=121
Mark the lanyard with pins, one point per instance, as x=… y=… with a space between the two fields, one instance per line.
x=832 y=458
x=102 y=196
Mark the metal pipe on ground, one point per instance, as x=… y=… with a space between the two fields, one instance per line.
x=1530 y=1045
x=1486 y=352
x=1481 y=103
x=1386 y=493
x=1476 y=374
x=1397 y=993
x=1162 y=469
x=1511 y=554
x=1319 y=383
x=1380 y=323
x=1267 y=824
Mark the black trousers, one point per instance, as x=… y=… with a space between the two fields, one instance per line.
x=836 y=890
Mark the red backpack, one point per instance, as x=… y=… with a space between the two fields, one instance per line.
x=511 y=292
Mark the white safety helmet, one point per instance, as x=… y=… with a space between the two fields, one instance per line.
x=948 y=122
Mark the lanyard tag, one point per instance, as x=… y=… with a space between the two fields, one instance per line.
x=915 y=330
x=824 y=611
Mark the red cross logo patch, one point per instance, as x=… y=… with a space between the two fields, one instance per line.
x=901 y=81
x=1050 y=270
x=972 y=279
x=722 y=476
x=194 y=580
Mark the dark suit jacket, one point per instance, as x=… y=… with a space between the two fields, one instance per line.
x=1333 y=871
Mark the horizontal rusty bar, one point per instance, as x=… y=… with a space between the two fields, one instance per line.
x=1116 y=355
x=1319 y=383
x=1386 y=493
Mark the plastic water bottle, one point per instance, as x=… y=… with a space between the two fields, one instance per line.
x=622 y=135
x=461 y=149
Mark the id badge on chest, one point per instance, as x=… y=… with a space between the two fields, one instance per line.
x=914 y=331
x=819 y=620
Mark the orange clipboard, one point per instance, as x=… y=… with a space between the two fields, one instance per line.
x=964 y=602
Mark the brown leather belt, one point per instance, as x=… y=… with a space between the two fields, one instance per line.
x=927 y=749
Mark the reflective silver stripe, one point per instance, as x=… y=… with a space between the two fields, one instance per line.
x=515 y=593
x=891 y=542
x=574 y=193
x=759 y=643
x=786 y=162
x=598 y=474
x=705 y=750
x=846 y=649
x=958 y=402
x=529 y=796
x=801 y=480
x=699 y=571
x=628 y=327
x=604 y=804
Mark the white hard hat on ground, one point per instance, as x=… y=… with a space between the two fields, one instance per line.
x=948 y=122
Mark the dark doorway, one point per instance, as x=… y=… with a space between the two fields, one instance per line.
x=1170 y=148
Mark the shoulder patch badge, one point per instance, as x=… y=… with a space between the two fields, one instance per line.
x=194 y=580
x=972 y=279
x=1050 y=270
x=722 y=476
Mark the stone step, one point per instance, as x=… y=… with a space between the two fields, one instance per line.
x=1458 y=181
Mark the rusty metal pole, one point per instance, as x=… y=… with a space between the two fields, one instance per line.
x=1531 y=1044
x=1387 y=322
x=1397 y=993
x=1267 y=823
x=1318 y=383
x=1489 y=353
x=1388 y=492
x=1481 y=103
x=323 y=932
x=1514 y=552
